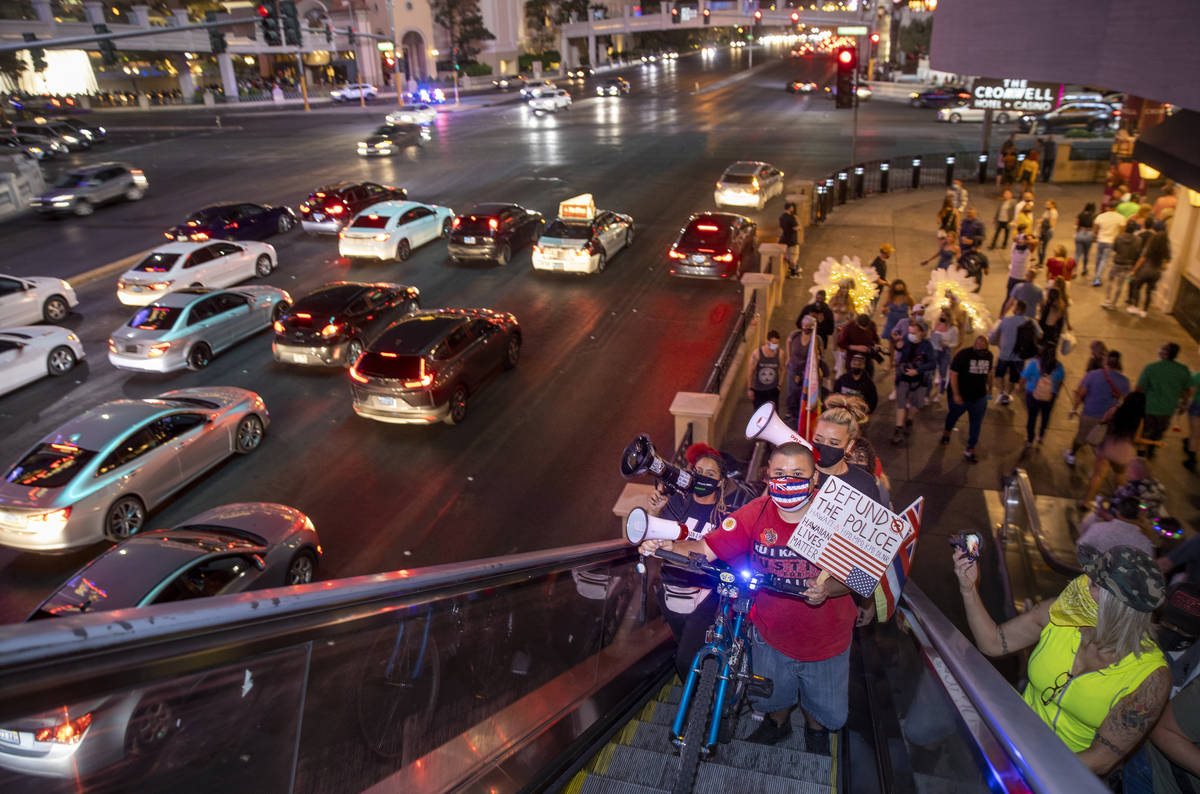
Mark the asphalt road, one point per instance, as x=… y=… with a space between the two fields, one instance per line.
x=535 y=464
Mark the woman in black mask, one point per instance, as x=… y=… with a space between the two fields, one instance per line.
x=687 y=602
x=836 y=429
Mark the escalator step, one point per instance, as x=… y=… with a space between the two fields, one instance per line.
x=640 y=766
x=716 y=777
x=598 y=784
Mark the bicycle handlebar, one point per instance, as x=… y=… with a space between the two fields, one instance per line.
x=698 y=563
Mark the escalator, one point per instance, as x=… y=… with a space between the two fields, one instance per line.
x=547 y=671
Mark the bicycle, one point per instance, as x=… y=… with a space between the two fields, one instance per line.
x=696 y=728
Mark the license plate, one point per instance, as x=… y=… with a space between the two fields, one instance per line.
x=385 y=402
x=9 y=737
x=181 y=238
x=698 y=259
x=130 y=348
x=297 y=358
x=469 y=240
x=136 y=288
x=318 y=216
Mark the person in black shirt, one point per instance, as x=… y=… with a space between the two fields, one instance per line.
x=856 y=382
x=789 y=239
x=824 y=315
x=836 y=428
x=880 y=264
x=971 y=374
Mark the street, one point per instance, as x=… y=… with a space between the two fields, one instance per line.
x=535 y=463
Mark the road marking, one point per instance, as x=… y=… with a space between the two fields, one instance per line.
x=111 y=269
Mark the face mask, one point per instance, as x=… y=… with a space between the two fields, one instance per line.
x=914 y=338
x=772 y=345
x=1170 y=640
x=857 y=370
x=703 y=486
x=790 y=493
x=828 y=456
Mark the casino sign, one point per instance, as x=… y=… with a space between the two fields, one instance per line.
x=1026 y=96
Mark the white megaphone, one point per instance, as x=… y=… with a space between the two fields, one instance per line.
x=767 y=425
x=640 y=525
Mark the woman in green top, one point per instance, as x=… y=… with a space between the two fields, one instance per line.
x=1096 y=676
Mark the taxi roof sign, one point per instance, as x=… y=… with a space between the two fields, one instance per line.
x=579 y=208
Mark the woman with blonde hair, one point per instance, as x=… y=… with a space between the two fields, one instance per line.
x=1046 y=227
x=835 y=431
x=1060 y=265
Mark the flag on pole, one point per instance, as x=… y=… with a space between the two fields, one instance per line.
x=887 y=595
x=810 y=392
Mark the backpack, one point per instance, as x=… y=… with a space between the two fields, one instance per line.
x=1043 y=390
x=1025 y=347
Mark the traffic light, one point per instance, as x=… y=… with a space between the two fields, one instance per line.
x=874 y=38
x=847 y=61
x=268 y=12
x=291 y=23
x=108 y=52
x=675 y=15
x=707 y=16
x=350 y=35
x=216 y=39
x=37 y=55
x=795 y=17
x=328 y=33
x=757 y=16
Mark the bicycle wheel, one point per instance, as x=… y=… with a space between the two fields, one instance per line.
x=693 y=734
x=398 y=686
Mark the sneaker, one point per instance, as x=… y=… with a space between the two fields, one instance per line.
x=1141 y=312
x=1040 y=439
x=907 y=426
x=898 y=435
x=892 y=396
x=1131 y=309
x=770 y=732
x=970 y=456
x=816 y=740
x=945 y=436
x=1070 y=458
x=1005 y=399
x=1107 y=306
x=1096 y=282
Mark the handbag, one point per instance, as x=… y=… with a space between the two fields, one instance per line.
x=1096 y=435
x=1067 y=343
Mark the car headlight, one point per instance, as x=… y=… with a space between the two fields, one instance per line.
x=362 y=144
x=70 y=139
x=68 y=197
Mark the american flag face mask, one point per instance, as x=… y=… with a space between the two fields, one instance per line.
x=790 y=493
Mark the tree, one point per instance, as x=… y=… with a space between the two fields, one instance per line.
x=540 y=28
x=914 y=37
x=463 y=21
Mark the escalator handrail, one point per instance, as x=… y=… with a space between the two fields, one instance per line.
x=1025 y=487
x=1047 y=765
x=39 y=650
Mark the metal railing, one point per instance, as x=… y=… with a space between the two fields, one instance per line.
x=737 y=335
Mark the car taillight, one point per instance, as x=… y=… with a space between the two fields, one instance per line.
x=382 y=236
x=169 y=235
x=67 y=732
x=305 y=208
x=706 y=227
x=333 y=329
x=192 y=223
x=159 y=286
x=493 y=224
x=319 y=195
x=335 y=209
x=112 y=346
x=278 y=326
x=675 y=254
x=120 y=283
x=457 y=222
x=537 y=249
x=423 y=380
x=355 y=374
x=725 y=257
x=198 y=237
x=303 y=316
x=159 y=350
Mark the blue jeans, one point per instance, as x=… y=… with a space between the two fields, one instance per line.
x=1083 y=249
x=821 y=688
x=974 y=409
x=1137 y=777
x=1104 y=252
x=943 y=367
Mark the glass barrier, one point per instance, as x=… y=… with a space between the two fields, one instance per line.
x=427 y=689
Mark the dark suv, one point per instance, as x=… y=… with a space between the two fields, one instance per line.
x=333 y=325
x=424 y=368
x=1094 y=116
x=493 y=232
x=328 y=209
x=714 y=245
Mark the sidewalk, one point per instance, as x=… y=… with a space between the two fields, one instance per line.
x=952 y=487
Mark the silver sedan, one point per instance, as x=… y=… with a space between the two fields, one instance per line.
x=100 y=474
x=187 y=328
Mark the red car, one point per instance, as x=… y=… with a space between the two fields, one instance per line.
x=714 y=245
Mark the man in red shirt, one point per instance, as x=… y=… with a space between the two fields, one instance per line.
x=801 y=644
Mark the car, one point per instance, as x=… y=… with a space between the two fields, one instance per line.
x=31 y=352
x=550 y=101
x=64 y=134
x=424 y=368
x=50 y=148
x=12 y=144
x=493 y=232
x=33 y=299
x=748 y=183
x=1094 y=116
x=713 y=245
x=233 y=548
x=535 y=88
x=95 y=133
x=939 y=97
x=413 y=114
x=391 y=230
x=97 y=476
x=187 y=328
x=332 y=325
x=580 y=73
x=80 y=191
x=862 y=92
x=582 y=238
x=670 y=55
x=328 y=209
x=650 y=58
x=737 y=44
x=506 y=81
x=175 y=265
x=354 y=92
x=613 y=86
x=801 y=87
x=233 y=221
x=960 y=113
x=388 y=139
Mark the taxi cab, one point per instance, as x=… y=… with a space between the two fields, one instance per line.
x=582 y=238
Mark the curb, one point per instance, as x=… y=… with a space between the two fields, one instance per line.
x=104 y=271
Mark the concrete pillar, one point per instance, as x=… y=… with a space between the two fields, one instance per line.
x=43 y=10
x=569 y=59
x=700 y=410
x=141 y=16
x=187 y=85
x=179 y=18
x=228 y=76
x=94 y=11
x=592 y=50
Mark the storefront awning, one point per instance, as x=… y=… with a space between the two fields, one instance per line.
x=1171 y=147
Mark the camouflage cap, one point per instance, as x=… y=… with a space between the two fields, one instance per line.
x=1128 y=573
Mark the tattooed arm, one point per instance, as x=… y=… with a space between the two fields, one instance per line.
x=1128 y=723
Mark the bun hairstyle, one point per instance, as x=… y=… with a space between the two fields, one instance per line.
x=843 y=409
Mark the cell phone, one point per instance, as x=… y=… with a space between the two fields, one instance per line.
x=966 y=542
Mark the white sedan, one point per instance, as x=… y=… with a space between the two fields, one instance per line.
x=550 y=101
x=34 y=299
x=391 y=230
x=957 y=113
x=413 y=114
x=354 y=91
x=221 y=263
x=29 y=353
